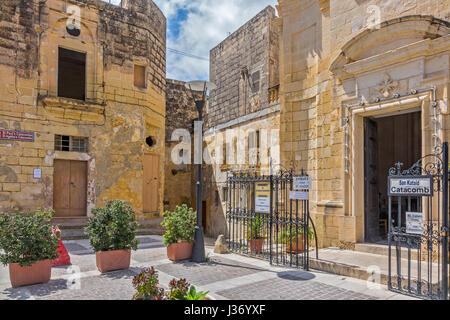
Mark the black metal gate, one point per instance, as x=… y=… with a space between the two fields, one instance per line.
x=266 y=221
x=418 y=228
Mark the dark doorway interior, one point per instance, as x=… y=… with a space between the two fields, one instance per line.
x=388 y=140
x=71 y=74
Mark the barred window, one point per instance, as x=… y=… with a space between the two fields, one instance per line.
x=71 y=144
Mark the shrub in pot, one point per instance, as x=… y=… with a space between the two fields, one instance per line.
x=29 y=245
x=255 y=234
x=179 y=233
x=294 y=239
x=112 y=234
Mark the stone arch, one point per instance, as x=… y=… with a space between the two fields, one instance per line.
x=390 y=35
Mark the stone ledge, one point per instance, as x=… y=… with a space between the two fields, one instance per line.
x=67 y=102
x=330 y=204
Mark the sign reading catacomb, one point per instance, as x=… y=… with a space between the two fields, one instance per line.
x=410 y=186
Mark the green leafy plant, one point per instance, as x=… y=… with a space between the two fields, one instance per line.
x=255 y=228
x=289 y=235
x=179 y=225
x=113 y=227
x=194 y=295
x=146 y=285
x=27 y=238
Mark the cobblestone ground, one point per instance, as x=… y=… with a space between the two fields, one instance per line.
x=288 y=289
x=224 y=276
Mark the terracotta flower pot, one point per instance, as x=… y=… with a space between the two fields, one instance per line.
x=180 y=251
x=40 y=272
x=293 y=248
x=256 y=245
x=113 y=260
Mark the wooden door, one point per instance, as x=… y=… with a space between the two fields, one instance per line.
x=70 y=188
x=371 y=216
x=151 y=183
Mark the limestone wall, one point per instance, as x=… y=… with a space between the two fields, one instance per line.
x=244 y=67
x=116 y=116
x=322 y=70
x=181 y=114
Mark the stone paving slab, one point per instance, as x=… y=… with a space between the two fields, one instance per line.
x=292 y=288
x=218 y=269
x=110 y=286
x=228 y=276
x=350 y=262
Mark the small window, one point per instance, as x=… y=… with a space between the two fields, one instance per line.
x=70 y=144
x=150 y=141
x=71 y=74
x=256 y=78
x=139 y=76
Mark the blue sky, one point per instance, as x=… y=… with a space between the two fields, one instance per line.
x=196 y=26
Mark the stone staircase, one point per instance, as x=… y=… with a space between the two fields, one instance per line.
x=73 y=228
x=366 y=259
x=151 y=227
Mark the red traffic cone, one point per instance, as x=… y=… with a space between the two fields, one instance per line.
x=64 y=258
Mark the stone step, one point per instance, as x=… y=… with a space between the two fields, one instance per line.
x=73 y=234
x=383 y=250
x=362 y=265
x=73 y=229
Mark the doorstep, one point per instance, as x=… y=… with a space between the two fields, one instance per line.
x=360 y=265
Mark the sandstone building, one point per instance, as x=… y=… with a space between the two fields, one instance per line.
x=180 y=181
x=82 y=106
x=243 y=112
x=363 y=84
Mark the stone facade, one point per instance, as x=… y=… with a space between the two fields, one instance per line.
x=244 y=66
x=245 y=104
x=181 y=114
x=342 y=62
x=116 y=116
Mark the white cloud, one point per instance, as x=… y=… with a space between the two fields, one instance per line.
x=206 y=24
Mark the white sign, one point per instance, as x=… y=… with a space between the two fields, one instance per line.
x=37 y=173
x=262 y=197
x=299 y=195
x=302 y=183
x=262 y=205
x=411 y=186
x=414 y=222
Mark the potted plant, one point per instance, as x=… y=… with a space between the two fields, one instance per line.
x=112 y=234
x=29 y=245
x=255 y=234
x=179 y=233
x=294 y=239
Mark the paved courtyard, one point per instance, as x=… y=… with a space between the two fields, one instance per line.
x=226 y=277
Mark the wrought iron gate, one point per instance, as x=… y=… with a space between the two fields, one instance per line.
x=278 y=229
x=418 y=228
